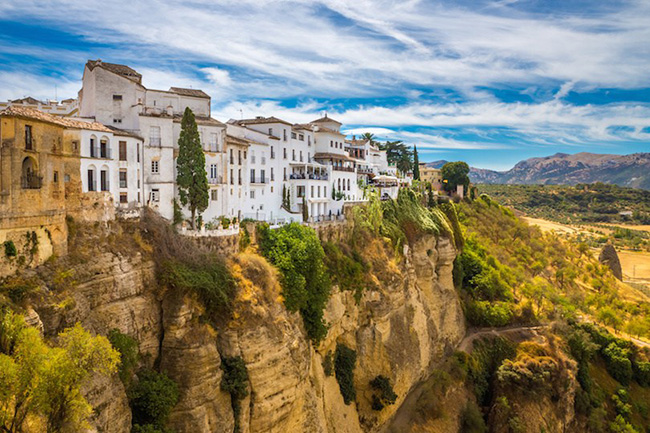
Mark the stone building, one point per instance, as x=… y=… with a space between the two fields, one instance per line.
x=39 y=175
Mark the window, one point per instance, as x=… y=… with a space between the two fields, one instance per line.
x=272 y=153
x=154 y=135
x=122 y=150
x=309 y=140
x=56 y=177
x=318 y=190
x=214 y=194
x=137 y=149
x=232 y=178
x=123 y=183
x=293 y=154
x=124 y=197
x=66 y=178
x=155 y=195
x=300 y=192
x=117 y=120
x=311 y=192
x=214 y=142
x=155 y=167
x=285 y=173
x=324 y=191
x=348 y=184
x=91 y=181
x=270 y=131
x=213 y=171
x=104 y=151
x=239 y=176
x=285 y=152
x=252 y=193
x=103 y=179
x=284 y=134
x=252 y=175
x=262 y=176
x=117 y=97
x=93 y=150
x=331 y=143
x=308 y=156
x=232 y=157
x=28 y=137
x=272 y=177
x=293 y=135
x=301 y=156
x=239 y=156
x=301 y=137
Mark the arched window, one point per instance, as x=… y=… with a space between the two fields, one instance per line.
x=93 y=150
x=104 y=183
x=92 y=178
x=104 y=148
x=29 y=175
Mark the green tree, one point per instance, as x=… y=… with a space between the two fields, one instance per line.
x=399 y=154
x=41 y=384
x=416 y=164
x=152 y=398
x=454 y=174
x=370 y=137
x=192 y=179
x=305 y=210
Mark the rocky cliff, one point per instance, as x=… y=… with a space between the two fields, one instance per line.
x=401 y=329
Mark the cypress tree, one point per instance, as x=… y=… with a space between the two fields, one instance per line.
x=416 y=164
x=192 y=179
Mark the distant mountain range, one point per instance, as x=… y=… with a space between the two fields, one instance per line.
x=625 y=170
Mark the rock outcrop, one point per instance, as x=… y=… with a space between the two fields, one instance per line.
x=401 y=328
x=609 y=257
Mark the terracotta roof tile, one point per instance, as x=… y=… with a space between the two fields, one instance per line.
x=197 y=93
x=66 y=122
x=261 y=120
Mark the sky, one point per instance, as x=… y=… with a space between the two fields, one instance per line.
x=490 y=82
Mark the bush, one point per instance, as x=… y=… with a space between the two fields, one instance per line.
x=344 y=362
x=10 y=249
x=128 y=348
x=471 y=419
x=642 y=372
x=347 y=271
x=618 y=363
x=297 y=253
x=235 y=382
x=486 y=313
x=208 y=278
x=152 y=398
x=386 y=395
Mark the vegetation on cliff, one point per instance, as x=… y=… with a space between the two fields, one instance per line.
x=511 y=272
x=40 y=384
x=297 y=253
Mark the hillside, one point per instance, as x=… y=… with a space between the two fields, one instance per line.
x=350 y=327
x=563 y=169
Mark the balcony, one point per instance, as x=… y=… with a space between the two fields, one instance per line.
x=154 y=141
x=215 y=180
x=31 y=181
x=259 y=180
x=100 y=152
x=337 y=168
x=310 y=176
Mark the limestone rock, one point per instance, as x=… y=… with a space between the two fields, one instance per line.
x=609 y=257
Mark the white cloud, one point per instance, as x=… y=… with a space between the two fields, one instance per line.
x=380 y=132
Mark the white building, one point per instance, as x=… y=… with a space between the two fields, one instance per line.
x=114 y=95
x=65 y=108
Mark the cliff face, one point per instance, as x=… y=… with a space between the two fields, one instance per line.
x=401 y=329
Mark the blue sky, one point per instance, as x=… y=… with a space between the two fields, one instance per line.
x=488 y=82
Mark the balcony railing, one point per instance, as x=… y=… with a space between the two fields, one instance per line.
x=259 y=180
x=154 y=141
x=215 y=180
x=31 y=181
x=338 y=168
x=100 y=152
x=309 y=176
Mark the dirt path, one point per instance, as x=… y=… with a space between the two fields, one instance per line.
x=515 y=333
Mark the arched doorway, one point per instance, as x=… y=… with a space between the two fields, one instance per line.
x=29 y=174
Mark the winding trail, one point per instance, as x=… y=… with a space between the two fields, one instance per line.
x=515 y=333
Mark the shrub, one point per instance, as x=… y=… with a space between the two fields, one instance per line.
x=18 y=289
x=10 y=249
x=297 y=253
x=344 y=362
x=486 y=313
x=642 y=372
x=128 y=348
x=235 y=382
x=209 y=279
x=152 y=398
x=471 y=419
x=618 y=363
x=347 y=271
x=386 y=395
